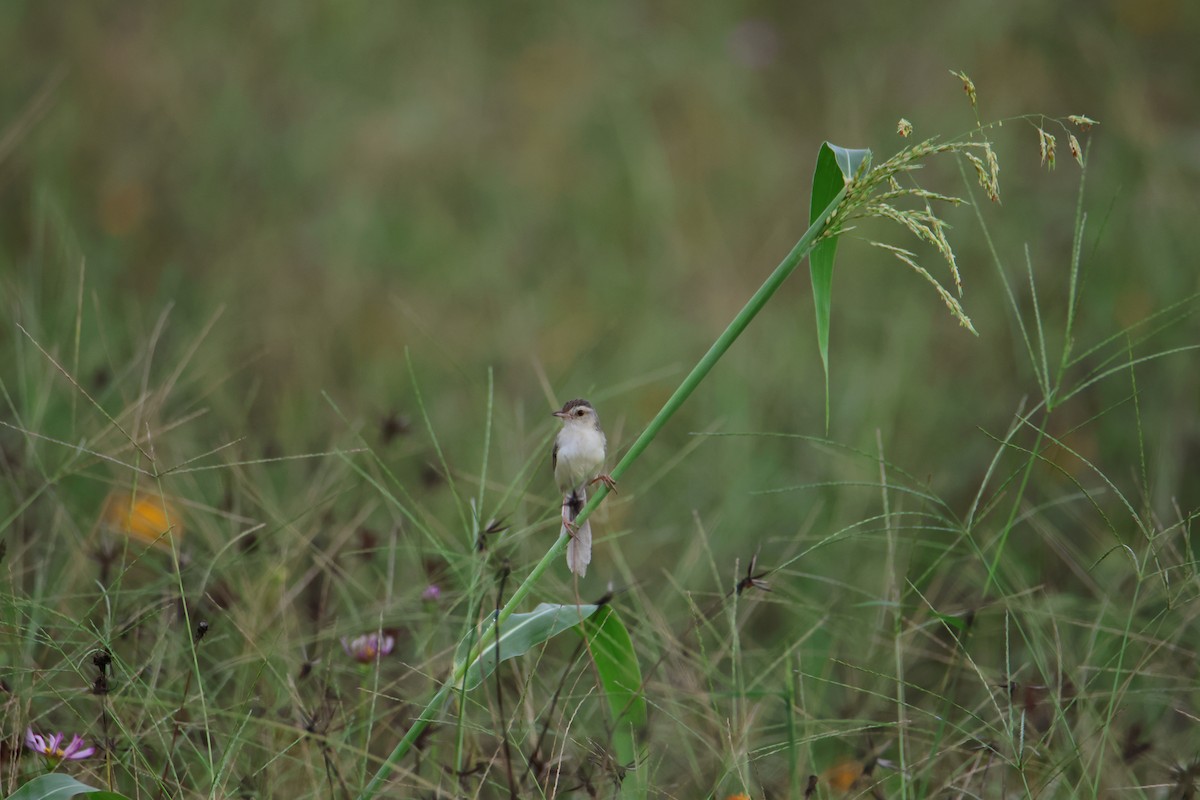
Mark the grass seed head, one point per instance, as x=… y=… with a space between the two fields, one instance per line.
x=968 y=87
x=1082 y=122
x=1076 y=152
x=1047 y=145
x=875 y=192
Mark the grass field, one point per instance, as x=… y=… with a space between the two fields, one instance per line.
x=289 y=292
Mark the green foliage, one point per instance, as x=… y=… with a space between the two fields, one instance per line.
x=57 y=786
x=519 y=634
x=836 y=167
x=616 y=663
x=975 y=555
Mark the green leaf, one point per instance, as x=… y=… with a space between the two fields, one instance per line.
x=57 y=786
x=621 y=677
x=521 y=633
x=836 y=166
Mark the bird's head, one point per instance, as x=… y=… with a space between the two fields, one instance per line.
x=578 y=412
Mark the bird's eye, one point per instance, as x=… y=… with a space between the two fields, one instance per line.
x=579 y=412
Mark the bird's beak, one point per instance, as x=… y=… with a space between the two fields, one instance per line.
x=559 y=414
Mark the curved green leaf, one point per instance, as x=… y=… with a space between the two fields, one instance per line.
x=521 y=632
x=836 y=166
x=620 y=675
x=58 y=786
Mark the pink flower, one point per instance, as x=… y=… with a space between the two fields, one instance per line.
x=51 y=746
x=432 y=593
x=370 y=647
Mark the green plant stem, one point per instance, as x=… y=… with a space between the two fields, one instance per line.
x=693 y=379
x=1034 y=454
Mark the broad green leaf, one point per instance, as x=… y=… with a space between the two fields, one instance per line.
x=621 y=676
x=59 y=786
x=520 y=633
x=836 y=166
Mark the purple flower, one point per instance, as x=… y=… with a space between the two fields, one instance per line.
x=432 y=593
x=51 y=746
x=369 y=647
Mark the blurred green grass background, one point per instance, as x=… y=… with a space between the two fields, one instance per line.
x=593 y=189
x=280 y=199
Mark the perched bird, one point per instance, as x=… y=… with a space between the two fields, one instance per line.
x=578 y=460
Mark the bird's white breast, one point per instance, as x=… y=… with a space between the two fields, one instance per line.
x=580 y=455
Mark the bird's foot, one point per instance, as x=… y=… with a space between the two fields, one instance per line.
x=607 y=480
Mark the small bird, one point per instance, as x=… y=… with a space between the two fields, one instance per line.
x=578 y=461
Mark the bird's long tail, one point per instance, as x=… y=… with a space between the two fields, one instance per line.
x=579 y=548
